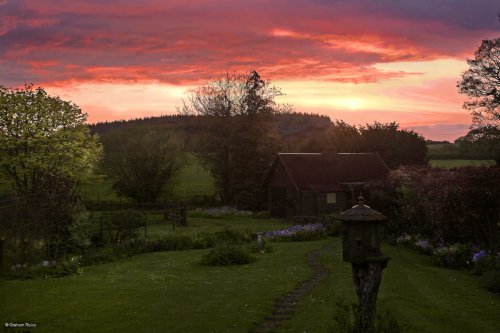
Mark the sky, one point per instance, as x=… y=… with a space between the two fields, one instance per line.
x=358 y=61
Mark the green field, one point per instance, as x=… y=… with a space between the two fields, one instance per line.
x=460 y=163
x=193 y=180
x=172 y=292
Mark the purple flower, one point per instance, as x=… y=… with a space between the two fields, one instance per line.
x=479 y=255
x=290 y=231
x=423 y=244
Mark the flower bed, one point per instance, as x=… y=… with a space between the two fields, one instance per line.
x=298 y=233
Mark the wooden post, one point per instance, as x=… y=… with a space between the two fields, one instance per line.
x=367 y=278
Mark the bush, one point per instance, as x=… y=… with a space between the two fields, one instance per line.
x=491 y=281
x=455 y=256
x=224 y=254
x=484 y=261
x=170 y=243
x=262 y=245
x=333 y=228
x=123 y=226
x=204 y=240
x=99 y=255
x=81 y=231
x=45 y=269
x=424 y=246
x=232 y=236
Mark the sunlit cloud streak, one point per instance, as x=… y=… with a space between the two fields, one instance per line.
x=386 y=48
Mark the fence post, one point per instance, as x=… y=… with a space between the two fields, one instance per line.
x=145 y=223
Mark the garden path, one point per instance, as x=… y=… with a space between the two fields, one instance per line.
x=285 y=306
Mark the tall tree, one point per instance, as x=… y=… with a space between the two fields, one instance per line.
x=482 y=141
x=144 y=165
x=344 y=138
x=481 y=83
x=240 y=141
x=46 y=151
x=395 y=146
x=43 y=136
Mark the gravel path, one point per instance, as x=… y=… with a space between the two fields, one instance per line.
x=285 y=306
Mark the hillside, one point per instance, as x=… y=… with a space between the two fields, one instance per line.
x=296 y=130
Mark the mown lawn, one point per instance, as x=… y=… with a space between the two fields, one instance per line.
x=428 y=299
x=460 y=163
x=160 y=292
x=172 y=292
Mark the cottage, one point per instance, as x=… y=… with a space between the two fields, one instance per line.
x=312 y=184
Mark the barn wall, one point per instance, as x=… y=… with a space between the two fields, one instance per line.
x=308 y=203
x=282 y=200
x=324 y=208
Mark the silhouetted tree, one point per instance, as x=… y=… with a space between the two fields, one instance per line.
x=481 y=82
x=344 y=138
x=240 y=140
x=395 y=146
x=483 y=142
x=144 y=165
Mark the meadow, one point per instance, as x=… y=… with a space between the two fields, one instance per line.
x=173 y=292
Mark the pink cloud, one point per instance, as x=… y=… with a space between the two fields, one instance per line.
x=188 y=42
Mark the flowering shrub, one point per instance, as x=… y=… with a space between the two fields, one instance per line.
x=424 y=246
x=298 y=233
x=478 y=256
x=45 y=269
x=484 y=261
x=220 y=212
x=454 y=256
x=404 y=239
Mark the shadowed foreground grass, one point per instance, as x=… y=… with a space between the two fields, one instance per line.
x=427 y=298
x=172 y=292
x=160 y=292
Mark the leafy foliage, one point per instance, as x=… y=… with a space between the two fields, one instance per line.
x=144 y=165
x=43 y=137
x=395 y=146
x=481 y=83
x=448 y=206
x=491 y=281
x=228 y=253
x=483 y=141
x=46 y=152
x=240 y=141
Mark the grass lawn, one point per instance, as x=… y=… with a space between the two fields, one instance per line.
x=459 y=163
x=172 y=292
x=160 y=292
x=427 y=298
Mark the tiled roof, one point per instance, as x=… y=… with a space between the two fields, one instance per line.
x=327 y=172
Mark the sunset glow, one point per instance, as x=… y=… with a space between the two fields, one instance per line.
x=358 y=61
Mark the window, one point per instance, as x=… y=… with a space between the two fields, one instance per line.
x=331 y=198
